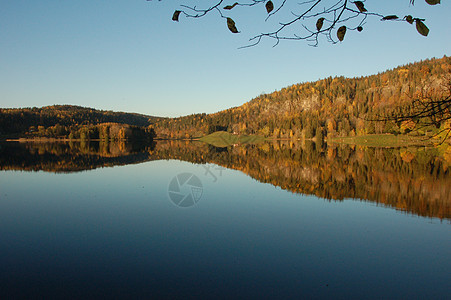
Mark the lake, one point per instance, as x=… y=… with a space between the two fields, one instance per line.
x=189 y=220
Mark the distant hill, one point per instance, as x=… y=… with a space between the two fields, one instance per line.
x=332 y=107
x=17 y=121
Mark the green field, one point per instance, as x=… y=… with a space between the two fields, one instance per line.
x=384 y=140
x=224 y=139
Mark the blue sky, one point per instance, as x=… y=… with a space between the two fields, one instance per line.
x=129 y=55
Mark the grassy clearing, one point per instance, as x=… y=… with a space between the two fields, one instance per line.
x=383 y=140
x=224 y=139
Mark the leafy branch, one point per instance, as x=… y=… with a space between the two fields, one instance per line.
x=334 y=18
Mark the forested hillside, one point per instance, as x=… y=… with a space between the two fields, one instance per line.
x=330 y=107
x=60 y=120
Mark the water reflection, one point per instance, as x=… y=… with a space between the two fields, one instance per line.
x=71 y=156
x=415 y=180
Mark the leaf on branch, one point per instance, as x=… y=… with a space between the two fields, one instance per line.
x=421 y=28
x=269 y=6
x=433 y=2
x=231 y=25
x=390 y=17
x=360 y=6
x=319 y=24
x=409 y=19
x=229 y=7
x=341 y=33
x=359 y=29
x=175 y=16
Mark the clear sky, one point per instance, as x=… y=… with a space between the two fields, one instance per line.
x=127 y=55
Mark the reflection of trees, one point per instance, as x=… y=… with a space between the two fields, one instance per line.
x=72 y=156
x=413 y=180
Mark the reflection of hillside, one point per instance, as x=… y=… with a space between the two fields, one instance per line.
x=70 y=157
x=412 y=180
x=418 y=182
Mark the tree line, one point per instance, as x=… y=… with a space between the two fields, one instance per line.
x=332 y=107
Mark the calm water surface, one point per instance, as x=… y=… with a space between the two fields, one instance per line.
x=118 y=232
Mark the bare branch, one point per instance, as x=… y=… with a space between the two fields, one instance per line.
x=431 y=107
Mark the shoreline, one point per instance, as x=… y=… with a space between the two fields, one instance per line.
x=372 y=140
x=54 y=140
